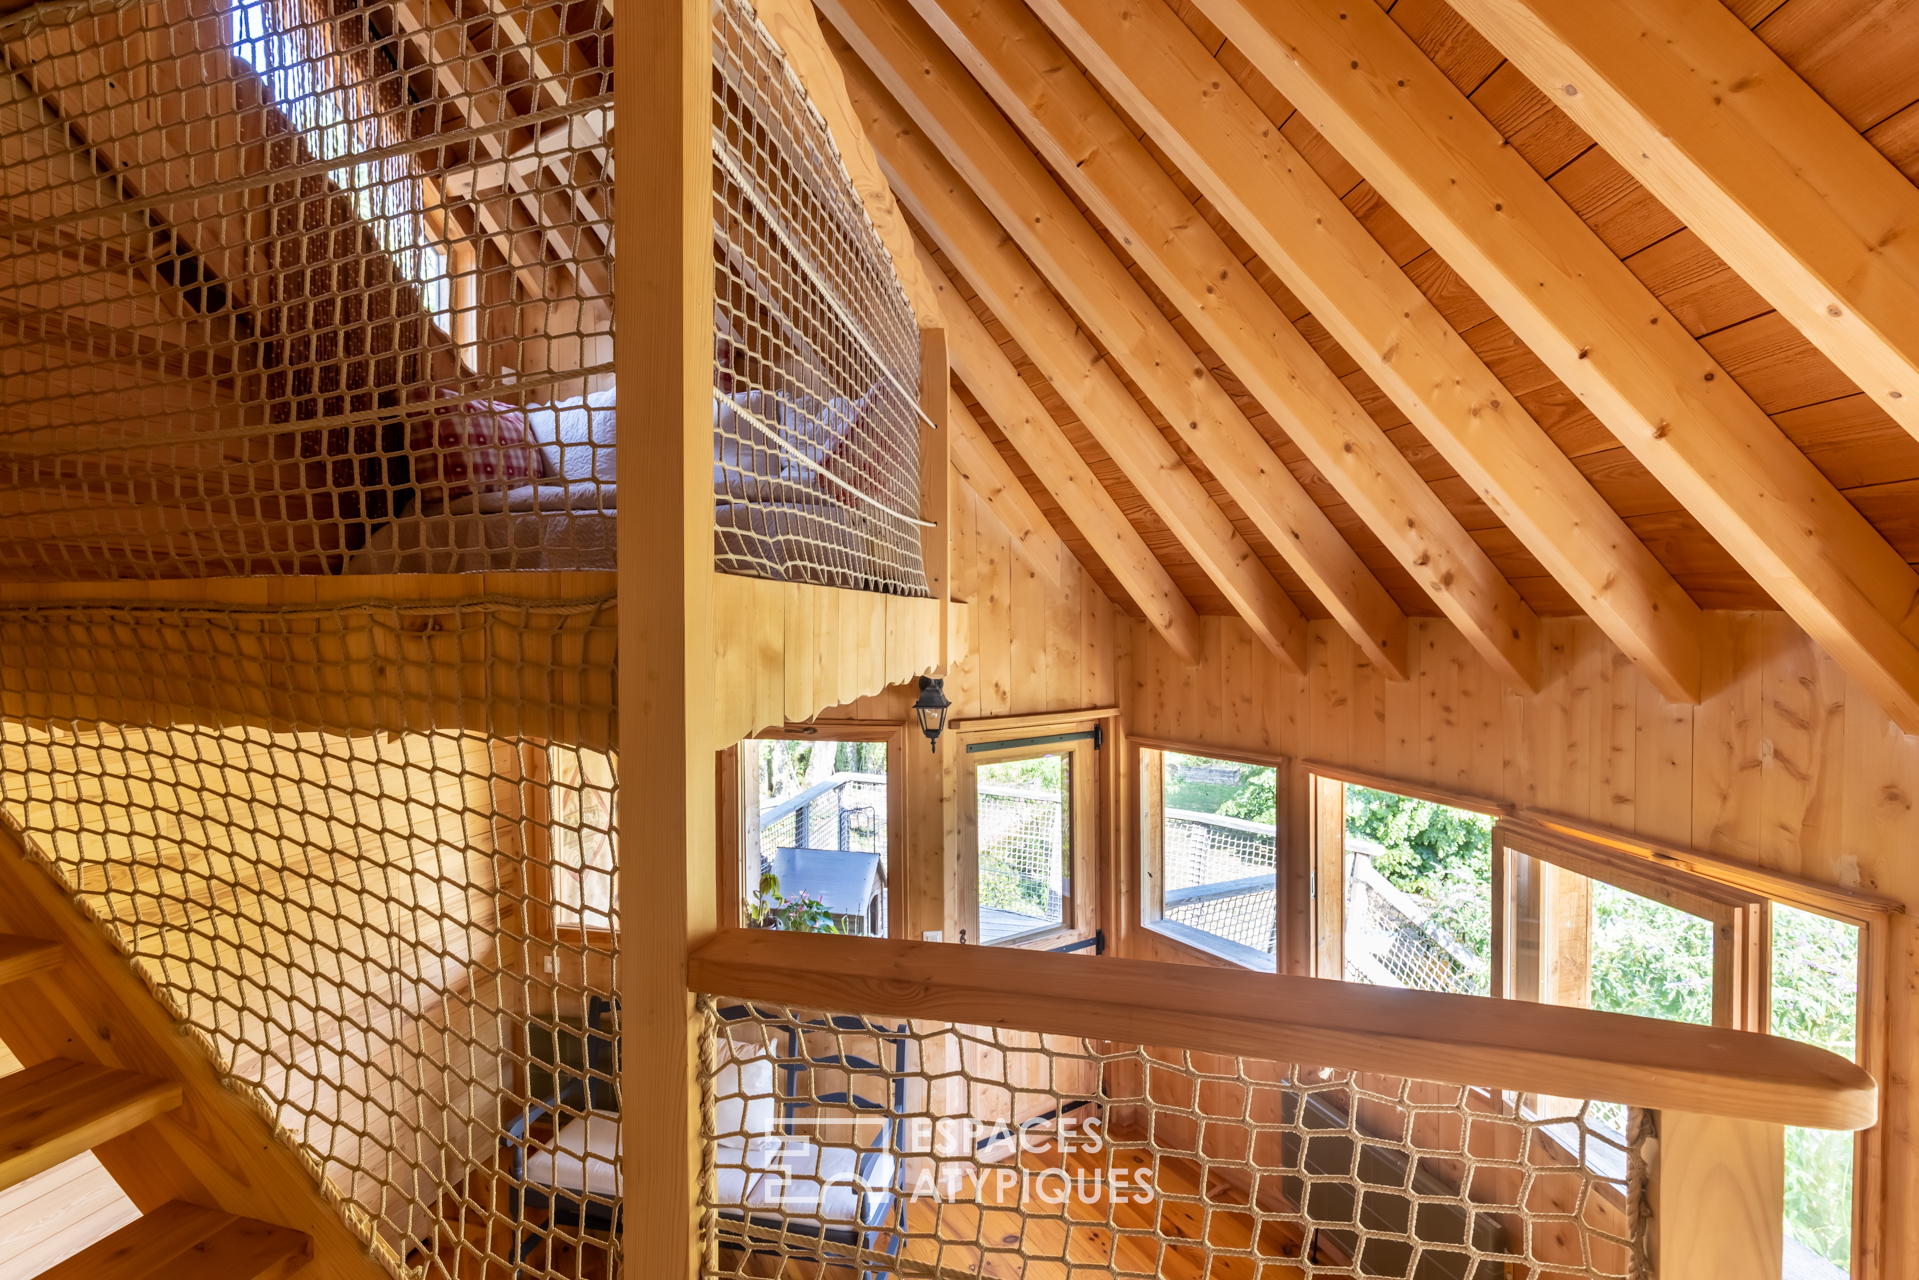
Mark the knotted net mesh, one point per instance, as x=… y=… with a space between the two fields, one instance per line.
x=843 y=1144
x=364 y=854
x=320 y=287
x=815 y=352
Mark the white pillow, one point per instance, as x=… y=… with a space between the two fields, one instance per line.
x=578 y=438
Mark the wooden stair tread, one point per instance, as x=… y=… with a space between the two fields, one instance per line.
x=23 y=957
x=185 y=1240
x=56 y=1109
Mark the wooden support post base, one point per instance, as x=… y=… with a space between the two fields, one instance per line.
x=1717 y=1193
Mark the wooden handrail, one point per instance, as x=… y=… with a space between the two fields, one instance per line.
x=1499 y=1044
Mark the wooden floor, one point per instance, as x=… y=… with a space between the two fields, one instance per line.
x=479 y=1240
x=54 y=1215
x=1022 y=1236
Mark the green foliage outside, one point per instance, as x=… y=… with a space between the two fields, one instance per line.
x=1815 y=998
x=1009 y=877
x=1647 y=959
x=789 y=766
x=769 y=909
x=1441 y=855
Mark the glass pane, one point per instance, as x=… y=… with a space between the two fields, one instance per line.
x=1649 y=959
x=1815 y=998
x=1419 y=894
x=1218 y=838
x=822 y=847
x=581 y=841
x=1025 y=836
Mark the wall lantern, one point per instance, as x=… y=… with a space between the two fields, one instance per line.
x=931 y=708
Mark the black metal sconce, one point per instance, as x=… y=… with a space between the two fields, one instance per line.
x=931 y=708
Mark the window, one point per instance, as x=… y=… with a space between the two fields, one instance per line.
x=1411 y=891
x=1027 y=834
x=581 y=838
x=1815 y=998
x=1403 y=889
x=1209 y=846
x=815 y=852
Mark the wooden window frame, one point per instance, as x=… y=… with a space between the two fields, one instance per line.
x=976 y=738
x=738 y=828
x=1149 y=845
x=1740 y=919
x=1326 y=838
x=1869 y=912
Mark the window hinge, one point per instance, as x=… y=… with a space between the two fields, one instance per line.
x=1099 y=736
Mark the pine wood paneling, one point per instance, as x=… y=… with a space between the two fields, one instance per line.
x=1785 y=765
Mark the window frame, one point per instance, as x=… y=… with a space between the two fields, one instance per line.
x=977 y=742
x=1149 y=850
x=738 y=826
x=1740 y=920
x=1326 y=837
x=1869 y=912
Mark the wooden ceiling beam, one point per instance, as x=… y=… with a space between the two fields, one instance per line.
x=1698 y=109
x=1221 y=140
x=1051 y=337
x=1023 y=420
x=1429 y=153
x=986 y=471
x=1015 y=58
x=997 y=189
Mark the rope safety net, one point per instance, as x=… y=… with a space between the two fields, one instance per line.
x=381 y=901
x=305 y=287
x=886 y=1145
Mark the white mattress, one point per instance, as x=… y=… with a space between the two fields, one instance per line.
x=546 y=526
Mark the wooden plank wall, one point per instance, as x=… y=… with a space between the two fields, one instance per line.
x=1786 y=764
x=1059 y=658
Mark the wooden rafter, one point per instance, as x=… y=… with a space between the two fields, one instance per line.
x=1015 y=58
x=1426 y=149
x=1191 y=108
x=1764 y=170
x=986 y=470
x=989 y=375
x=969 y=234
x=1010 y=195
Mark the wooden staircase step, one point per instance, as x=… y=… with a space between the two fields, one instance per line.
x=24 y=957
x=179 y=1241
x=56 y=1109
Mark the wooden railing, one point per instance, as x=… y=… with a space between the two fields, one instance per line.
x=1501 y=1044
x=1722 y=1096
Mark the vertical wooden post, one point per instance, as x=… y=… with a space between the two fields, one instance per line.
x=1152 y=833
x=1329 y=878
x=663 y=351
x=936 y=393
x=1717 y=1195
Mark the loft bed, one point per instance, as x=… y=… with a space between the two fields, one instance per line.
x=328 y=366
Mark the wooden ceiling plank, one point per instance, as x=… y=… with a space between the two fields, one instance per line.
x=1429 y=153
x=986 y=470
x=953 y=118
x=1023 y=420
x=1704 y=114
x=1168 y=83
x=1012 y=54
